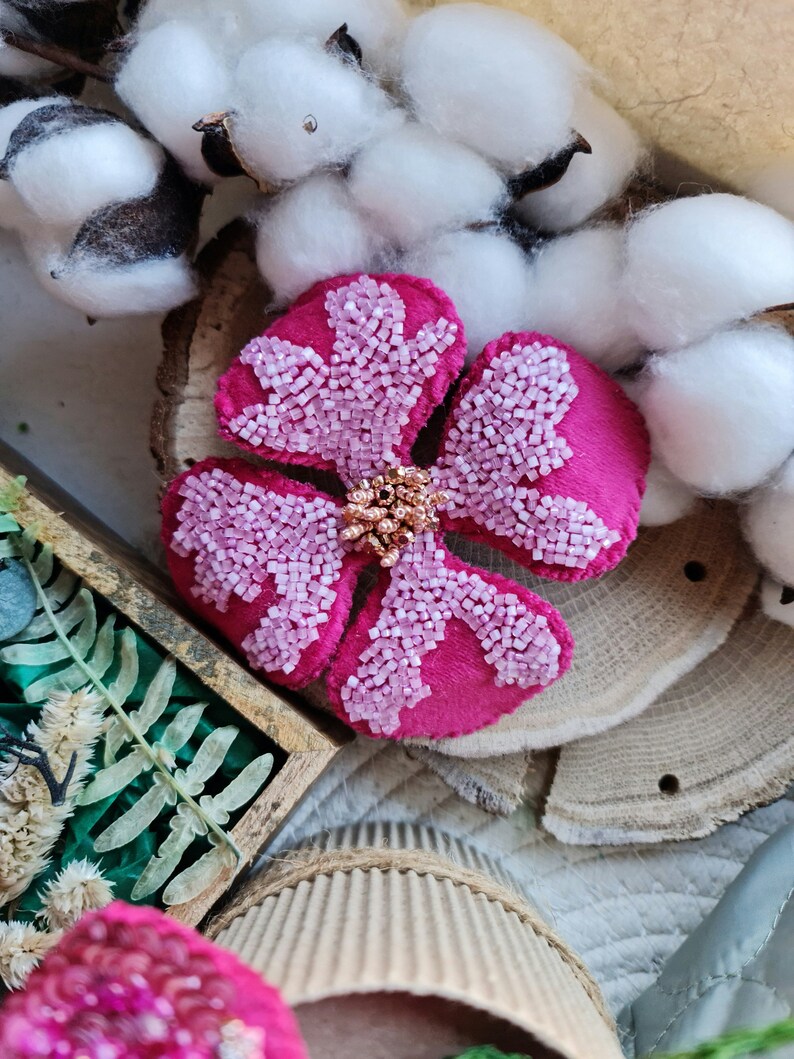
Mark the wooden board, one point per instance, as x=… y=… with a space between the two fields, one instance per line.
x=140 y=594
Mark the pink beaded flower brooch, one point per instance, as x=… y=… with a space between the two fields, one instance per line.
x=130 y=983
x=543 y=457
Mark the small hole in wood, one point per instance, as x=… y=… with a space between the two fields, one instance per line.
x=669 y=784
x=787 y=596
x=694 y=571
x=190 y=462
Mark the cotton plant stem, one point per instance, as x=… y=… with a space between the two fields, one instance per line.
x=55 y=54
x=131 y=727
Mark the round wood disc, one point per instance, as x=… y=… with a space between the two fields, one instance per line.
x=199 y=341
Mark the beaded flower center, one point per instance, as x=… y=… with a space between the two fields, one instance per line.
x=384 y=514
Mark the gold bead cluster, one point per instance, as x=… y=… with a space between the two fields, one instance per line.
x=384 y=514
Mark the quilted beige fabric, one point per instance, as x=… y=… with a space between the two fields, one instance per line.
x=624 y=909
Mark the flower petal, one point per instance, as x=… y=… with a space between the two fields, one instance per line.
x=347 y=377
x=442 y=649
x=544 y=457
x=258 y=556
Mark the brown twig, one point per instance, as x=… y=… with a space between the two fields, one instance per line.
x=54 y=54
x=787 y=307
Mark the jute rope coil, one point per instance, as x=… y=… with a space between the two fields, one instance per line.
x=308 y=865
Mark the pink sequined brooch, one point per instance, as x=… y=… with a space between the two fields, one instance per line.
x=130 y=983
x=542 y=457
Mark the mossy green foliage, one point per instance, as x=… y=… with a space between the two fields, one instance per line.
x=736 y=1044
x=487 y=1051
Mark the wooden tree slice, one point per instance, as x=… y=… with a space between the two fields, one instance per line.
x=200 y=340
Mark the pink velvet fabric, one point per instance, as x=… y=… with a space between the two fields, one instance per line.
x=465 y=697
x=241 y=619
x=459 y=673
x=611 y=453
x=307 y=325
x=130 y=982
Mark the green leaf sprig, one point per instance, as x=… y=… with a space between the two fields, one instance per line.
x=67 y=639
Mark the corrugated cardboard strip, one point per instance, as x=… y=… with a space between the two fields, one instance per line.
x=359 y=918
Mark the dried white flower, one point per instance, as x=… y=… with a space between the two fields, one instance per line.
x=22 y=948
x=30 y=824
x=77 y=888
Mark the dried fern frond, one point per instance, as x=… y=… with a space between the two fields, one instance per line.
x=78 y=888
x=68 y=640
x=10 y=497
x=30 y=825
x=22 y=948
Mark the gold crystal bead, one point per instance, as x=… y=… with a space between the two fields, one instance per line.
x=384 y=514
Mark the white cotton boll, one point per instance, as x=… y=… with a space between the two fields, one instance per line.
x=769 y=524
x=16 y=63
x=171 y=79
x=155 y=286
x=776 y=602
x=666 y=498
x=492 y=79
x=312 y=232
x=66 y=177
x=13 y=113
x=109 y=290
x=484 y=273
x=225 y=24
x=298 y=108
x=413 y=182
x=575 y=294
x=591 y=179
x=774 y=186
x=12 y=210
x=154 y=12
x=375 y=24
x=695 y=265
x=720 y=413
